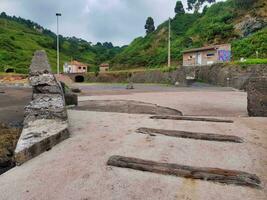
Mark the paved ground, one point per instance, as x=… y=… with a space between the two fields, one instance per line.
x=97 y=89
x=76 y=169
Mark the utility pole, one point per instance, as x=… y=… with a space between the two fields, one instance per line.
x=58 y=15
x=169 y=44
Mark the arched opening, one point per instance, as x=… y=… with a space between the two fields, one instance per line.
x=10 y=70
x=79 y=79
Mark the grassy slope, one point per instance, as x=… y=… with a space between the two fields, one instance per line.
x=195 y=30
x=17 y=44
x=19 y=41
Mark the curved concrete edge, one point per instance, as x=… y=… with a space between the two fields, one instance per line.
x=40 y=136
x=46 y=119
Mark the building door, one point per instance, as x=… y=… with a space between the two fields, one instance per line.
x=199 y=59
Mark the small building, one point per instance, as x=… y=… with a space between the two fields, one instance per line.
x=104 y=67
x=207 y=55
x=75 y=67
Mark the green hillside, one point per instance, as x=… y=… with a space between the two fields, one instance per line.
x=220 y=23
x=19 y=38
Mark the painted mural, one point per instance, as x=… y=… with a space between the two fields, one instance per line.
x=224 y=55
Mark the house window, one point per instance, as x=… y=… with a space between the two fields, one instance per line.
x=190 y=57
x=210 y=54
x=80 y=67
x=84 y=68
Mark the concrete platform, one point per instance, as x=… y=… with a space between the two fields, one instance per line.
x=76 y=168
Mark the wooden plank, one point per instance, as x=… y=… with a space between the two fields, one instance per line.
x=174 y=117
x=191 y=135
x=209 y=174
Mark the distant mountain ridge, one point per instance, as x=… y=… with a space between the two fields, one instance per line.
x=19 y=38
x=223 y=22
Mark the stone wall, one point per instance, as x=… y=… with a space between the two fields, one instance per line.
x=257 y=96
x=45 y=122
x=227 y=75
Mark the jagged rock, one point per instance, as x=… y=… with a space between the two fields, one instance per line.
x=249 y=25
x=76 y=90
x=45 y=106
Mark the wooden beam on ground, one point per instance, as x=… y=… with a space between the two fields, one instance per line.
x=174 y=117
x=191 y=135
x=208 y=174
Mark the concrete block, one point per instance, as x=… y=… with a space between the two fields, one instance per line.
x=38 y=137
x=71 y=99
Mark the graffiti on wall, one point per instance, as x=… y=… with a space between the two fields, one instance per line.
x=224 y=55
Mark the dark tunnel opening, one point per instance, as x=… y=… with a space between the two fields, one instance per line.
x=79 y=79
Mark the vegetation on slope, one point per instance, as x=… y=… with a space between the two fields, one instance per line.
x=215 y=25
x=19 y=38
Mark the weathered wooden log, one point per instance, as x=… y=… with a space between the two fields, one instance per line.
x=209 y=174
x=191 y=135
x=173 y=117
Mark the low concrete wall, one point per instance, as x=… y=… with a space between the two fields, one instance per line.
x=45 y=122
x=149 y=76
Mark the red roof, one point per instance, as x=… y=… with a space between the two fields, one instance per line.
x=200 y=49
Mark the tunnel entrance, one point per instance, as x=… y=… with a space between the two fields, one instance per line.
x=79 y=79
x=10 y=70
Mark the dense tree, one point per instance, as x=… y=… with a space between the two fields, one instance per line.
x=196 y=4
x=108 y=45
x=179 y=8
x=150 y=27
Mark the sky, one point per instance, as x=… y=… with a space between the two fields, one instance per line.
x=116 y=21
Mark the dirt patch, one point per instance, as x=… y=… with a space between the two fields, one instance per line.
x=12 y=102
x=8 y=140
x=126 y=106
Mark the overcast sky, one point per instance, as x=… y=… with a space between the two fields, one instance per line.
x=116 y=21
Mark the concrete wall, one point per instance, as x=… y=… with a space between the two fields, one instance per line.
x=149 y=76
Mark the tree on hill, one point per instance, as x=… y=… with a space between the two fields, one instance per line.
x=179 y=8
x=150 y=27
x=196 y=4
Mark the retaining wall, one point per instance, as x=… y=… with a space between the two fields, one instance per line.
x=149 y=76
x=227 y=75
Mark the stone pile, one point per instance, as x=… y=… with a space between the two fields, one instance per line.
x=257 y=96
x=45 y=122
